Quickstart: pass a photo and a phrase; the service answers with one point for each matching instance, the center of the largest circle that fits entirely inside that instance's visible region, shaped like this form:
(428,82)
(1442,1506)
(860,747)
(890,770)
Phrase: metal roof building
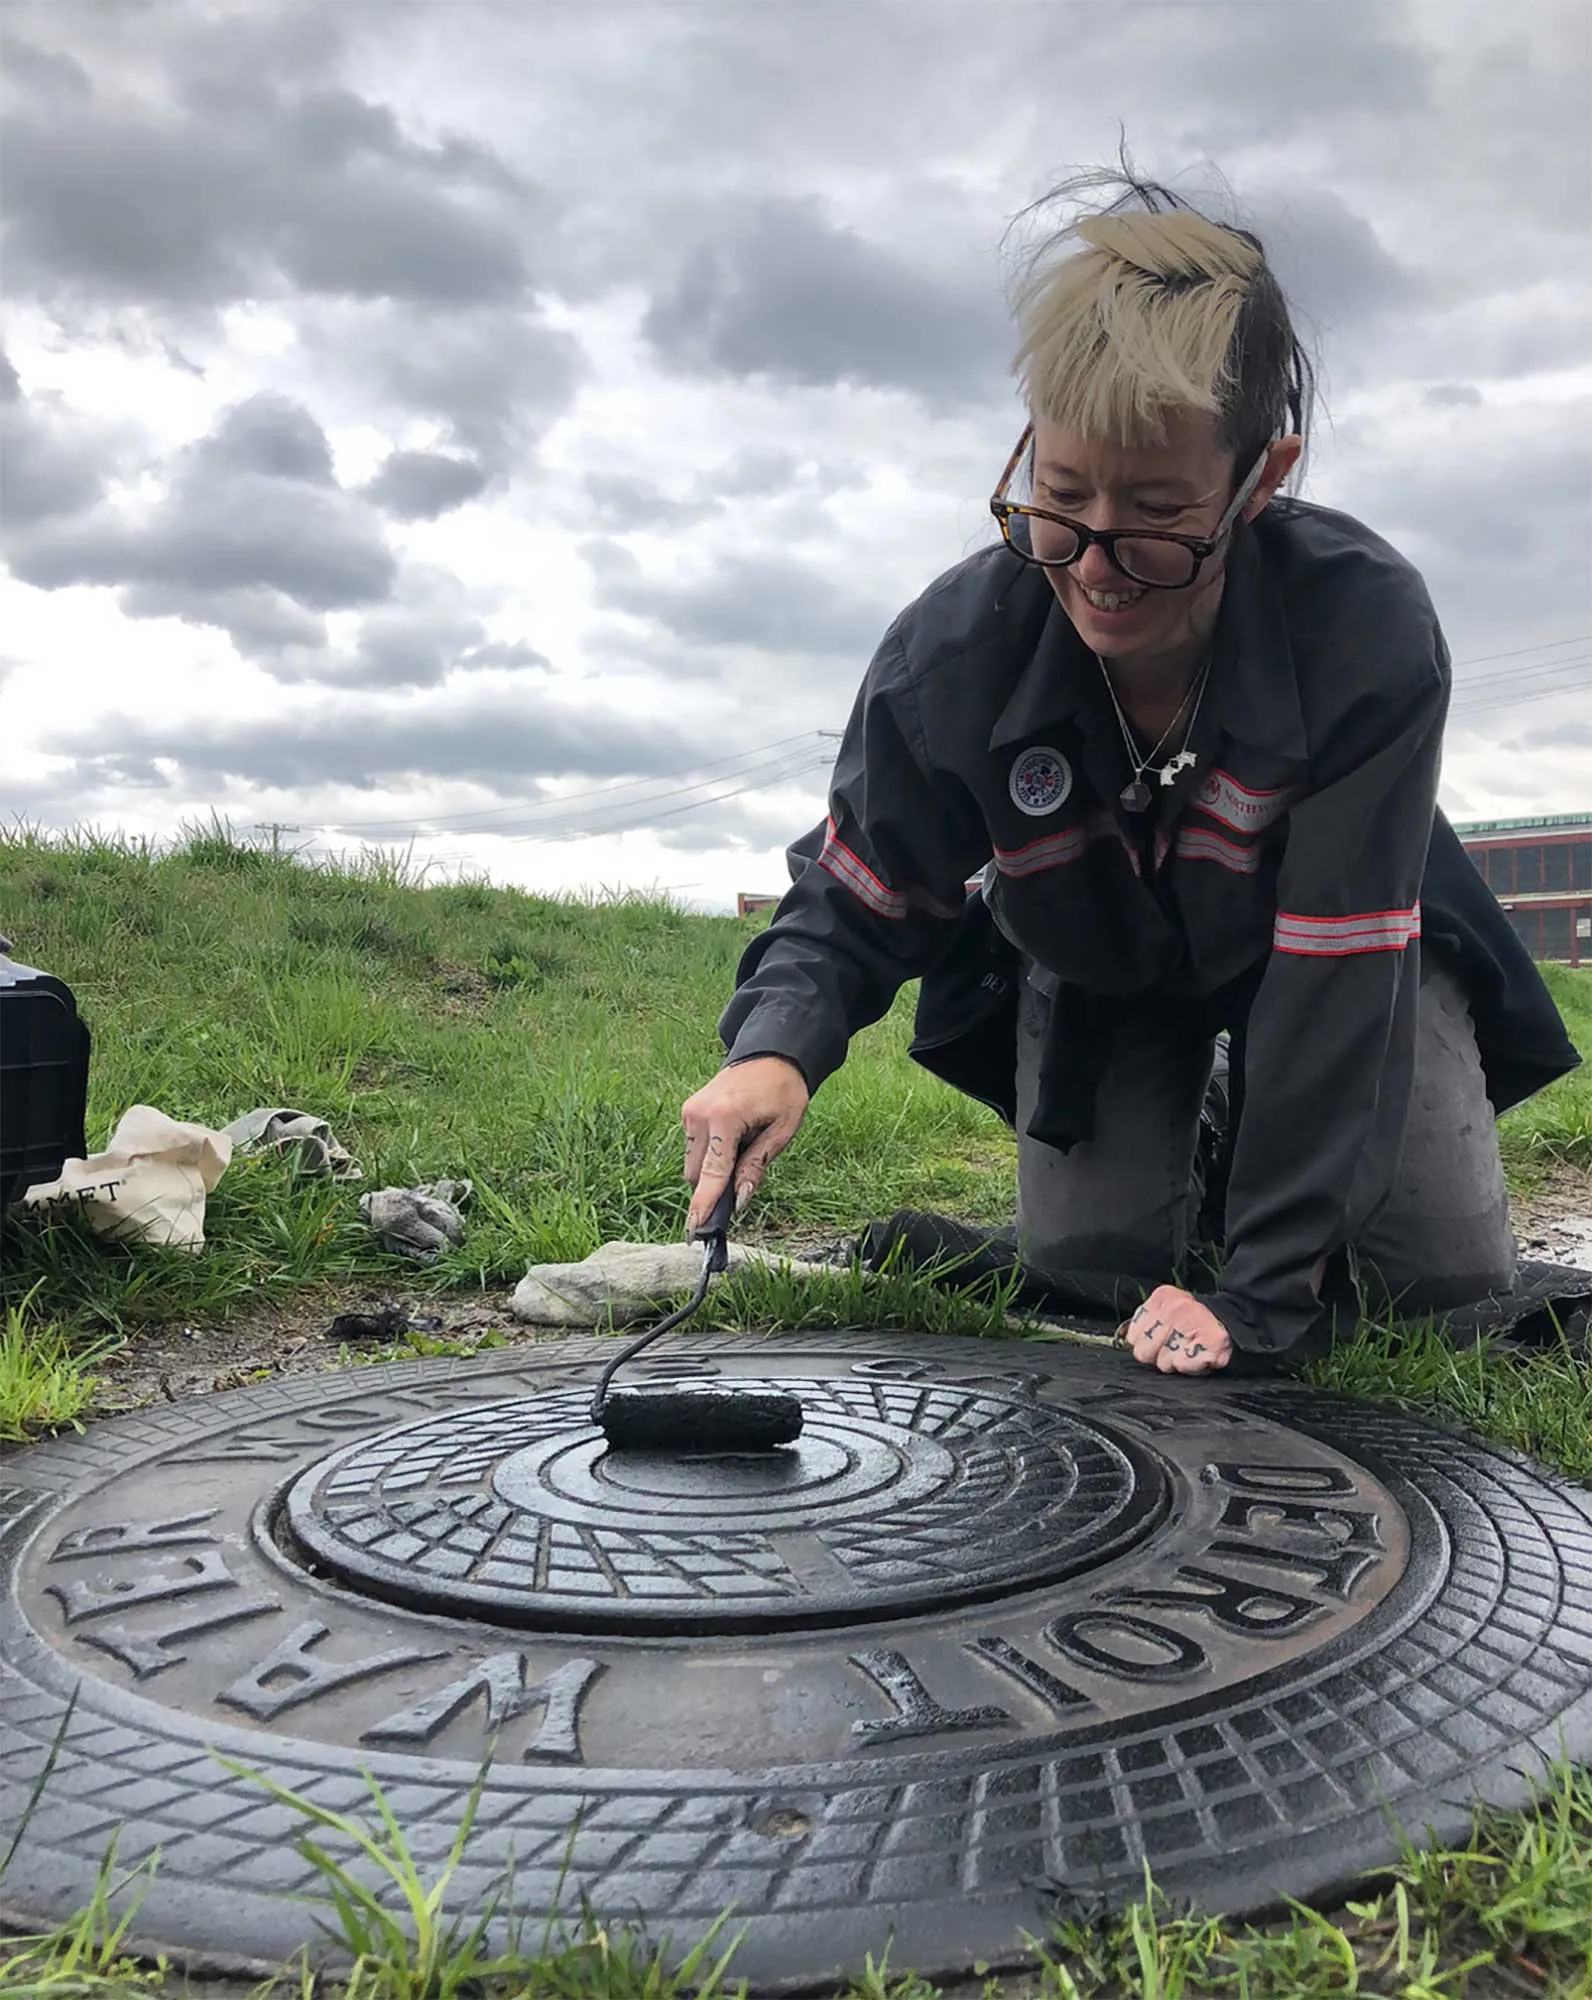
(1541,872)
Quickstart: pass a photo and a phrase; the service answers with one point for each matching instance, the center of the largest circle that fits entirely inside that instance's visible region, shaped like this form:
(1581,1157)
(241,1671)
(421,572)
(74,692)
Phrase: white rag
(621,1281)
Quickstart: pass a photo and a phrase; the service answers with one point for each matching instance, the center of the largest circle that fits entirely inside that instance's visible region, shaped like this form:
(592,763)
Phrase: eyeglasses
(1149,556)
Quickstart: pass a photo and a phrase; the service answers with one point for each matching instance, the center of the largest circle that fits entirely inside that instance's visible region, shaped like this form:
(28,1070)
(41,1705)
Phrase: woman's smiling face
(1181,486)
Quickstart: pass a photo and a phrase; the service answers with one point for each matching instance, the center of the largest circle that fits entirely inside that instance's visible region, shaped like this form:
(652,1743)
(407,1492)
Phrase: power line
(594,818)
(1513,676)
(1488,684)
(556,805)
(651,819)
(1547,646)
(1462,709)
(719,801)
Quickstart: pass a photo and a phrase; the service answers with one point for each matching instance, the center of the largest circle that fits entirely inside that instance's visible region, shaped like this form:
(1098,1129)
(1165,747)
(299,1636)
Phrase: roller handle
(713,1235)
(715,1232)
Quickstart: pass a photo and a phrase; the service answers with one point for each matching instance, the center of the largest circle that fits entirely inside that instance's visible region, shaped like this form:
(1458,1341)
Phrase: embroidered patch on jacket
(1040,781)
(1238,806)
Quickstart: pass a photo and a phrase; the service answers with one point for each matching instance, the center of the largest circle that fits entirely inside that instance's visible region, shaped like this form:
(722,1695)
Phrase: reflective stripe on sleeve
(837,859)
(1342,937)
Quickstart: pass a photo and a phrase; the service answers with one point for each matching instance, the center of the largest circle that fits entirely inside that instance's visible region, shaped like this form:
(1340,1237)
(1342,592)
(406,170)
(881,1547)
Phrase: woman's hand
(1173,1332)
(747,1113)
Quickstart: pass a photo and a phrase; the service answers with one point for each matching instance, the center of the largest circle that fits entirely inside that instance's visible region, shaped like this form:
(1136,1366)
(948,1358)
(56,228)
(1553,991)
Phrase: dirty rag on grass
(623,1281)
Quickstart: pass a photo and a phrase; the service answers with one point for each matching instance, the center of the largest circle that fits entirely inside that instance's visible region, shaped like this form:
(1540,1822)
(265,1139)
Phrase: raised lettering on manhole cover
(1007,1623)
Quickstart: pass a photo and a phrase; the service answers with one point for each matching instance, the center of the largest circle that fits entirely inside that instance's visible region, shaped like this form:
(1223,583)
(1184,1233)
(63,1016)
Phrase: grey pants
(1126,1200)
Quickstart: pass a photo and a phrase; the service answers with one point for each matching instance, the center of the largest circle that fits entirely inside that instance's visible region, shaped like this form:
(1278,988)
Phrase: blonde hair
(1155,308)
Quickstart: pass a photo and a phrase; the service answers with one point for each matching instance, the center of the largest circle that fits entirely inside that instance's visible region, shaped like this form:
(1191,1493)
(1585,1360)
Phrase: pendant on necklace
(1184,760)
(1135,797)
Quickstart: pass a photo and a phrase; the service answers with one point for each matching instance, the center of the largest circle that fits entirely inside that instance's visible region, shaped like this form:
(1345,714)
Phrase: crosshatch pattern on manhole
(896,1494)
(1343,1617)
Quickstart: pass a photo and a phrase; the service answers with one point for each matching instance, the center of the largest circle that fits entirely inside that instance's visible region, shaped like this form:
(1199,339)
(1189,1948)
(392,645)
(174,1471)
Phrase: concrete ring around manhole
(1009,1622)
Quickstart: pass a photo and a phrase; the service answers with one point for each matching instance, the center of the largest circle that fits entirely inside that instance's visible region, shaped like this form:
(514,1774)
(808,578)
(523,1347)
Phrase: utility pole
(276,828)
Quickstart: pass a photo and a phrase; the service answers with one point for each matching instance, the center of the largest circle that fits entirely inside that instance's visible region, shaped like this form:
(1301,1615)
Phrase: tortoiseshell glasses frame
(1197,548)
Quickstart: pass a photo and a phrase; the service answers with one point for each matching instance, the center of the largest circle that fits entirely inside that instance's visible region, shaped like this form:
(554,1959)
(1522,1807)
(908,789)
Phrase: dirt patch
(295,1337)
(461,989)
(1553,1221)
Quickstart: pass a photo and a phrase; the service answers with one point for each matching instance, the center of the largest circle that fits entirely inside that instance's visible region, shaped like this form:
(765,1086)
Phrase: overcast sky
(422,416)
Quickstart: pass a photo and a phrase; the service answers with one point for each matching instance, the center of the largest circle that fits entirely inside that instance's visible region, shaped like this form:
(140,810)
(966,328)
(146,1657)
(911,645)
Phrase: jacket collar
(1253,693)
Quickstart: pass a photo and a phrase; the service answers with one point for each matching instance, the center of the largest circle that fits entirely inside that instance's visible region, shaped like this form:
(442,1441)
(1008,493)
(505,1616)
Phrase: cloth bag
(150,1182)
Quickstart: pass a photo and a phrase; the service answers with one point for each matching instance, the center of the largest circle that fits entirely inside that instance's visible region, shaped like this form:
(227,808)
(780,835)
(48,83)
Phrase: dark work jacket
(1275,887)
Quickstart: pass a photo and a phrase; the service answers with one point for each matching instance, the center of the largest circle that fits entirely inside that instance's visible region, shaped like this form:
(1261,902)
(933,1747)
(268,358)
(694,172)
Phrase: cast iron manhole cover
(1010,1621)
(897,1497)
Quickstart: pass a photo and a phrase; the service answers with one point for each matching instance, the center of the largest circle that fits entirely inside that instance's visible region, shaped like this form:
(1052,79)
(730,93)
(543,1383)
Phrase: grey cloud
(623,502)
(1264,73)
(1329,259)
(789,296)
(252,535)
(497,378)
(233,188)
(610,562)
(241,168)
(425,485)
(401,648)
(506,655)
(53,464)
(364,742)
(776,604)
(44,73)
(761,472)
(263,623)
(1560,736)
(425,634)
(755,472)
(1498,529)
(315,551)
(1453,395)
(269,435)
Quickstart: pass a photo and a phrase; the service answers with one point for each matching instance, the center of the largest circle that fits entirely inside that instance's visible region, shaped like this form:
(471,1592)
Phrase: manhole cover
(897,1497)
(1010,1622)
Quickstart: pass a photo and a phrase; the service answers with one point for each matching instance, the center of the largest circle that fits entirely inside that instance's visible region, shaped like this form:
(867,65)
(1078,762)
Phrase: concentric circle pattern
(895,1495)
(1010,1625)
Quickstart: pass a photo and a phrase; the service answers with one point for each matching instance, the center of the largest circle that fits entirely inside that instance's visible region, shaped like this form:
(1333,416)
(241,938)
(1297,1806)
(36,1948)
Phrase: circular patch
(893,1498)
(1010,1623)
(1041,780)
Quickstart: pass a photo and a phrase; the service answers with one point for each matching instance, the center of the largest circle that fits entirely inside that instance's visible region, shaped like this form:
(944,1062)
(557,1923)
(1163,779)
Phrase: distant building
(745,905)
(1541,872)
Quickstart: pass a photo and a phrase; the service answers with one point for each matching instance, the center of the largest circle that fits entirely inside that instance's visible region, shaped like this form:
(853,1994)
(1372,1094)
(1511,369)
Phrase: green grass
(542,1048)
(218,979)
(1555,1127)
(45,1383)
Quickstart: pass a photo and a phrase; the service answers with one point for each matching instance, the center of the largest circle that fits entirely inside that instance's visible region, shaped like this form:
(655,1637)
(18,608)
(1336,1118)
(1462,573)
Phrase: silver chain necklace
(1135,795)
